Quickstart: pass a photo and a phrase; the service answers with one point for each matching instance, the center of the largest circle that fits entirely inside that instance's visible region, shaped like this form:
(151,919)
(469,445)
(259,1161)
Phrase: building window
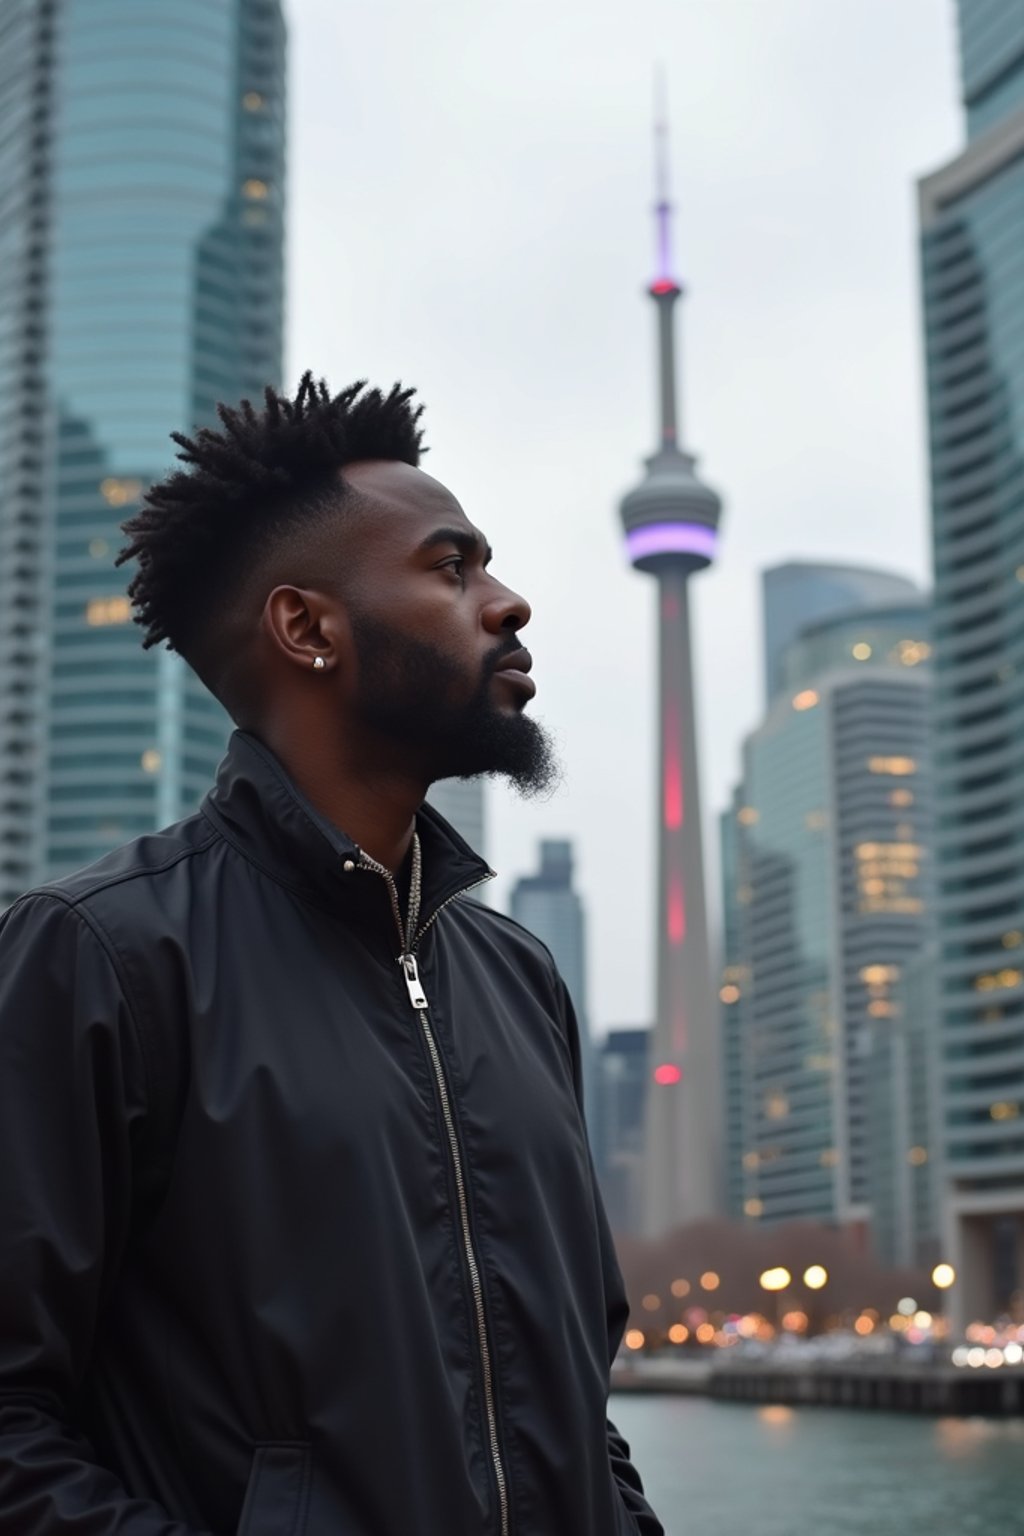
(108,610)
(118,491)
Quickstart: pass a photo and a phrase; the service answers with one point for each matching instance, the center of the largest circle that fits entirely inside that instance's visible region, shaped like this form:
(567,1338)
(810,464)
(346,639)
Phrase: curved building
(826,886)
(671,526)
(143,183)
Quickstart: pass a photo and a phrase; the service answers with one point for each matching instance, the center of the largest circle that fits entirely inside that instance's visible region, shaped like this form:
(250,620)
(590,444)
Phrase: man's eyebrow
(466,543)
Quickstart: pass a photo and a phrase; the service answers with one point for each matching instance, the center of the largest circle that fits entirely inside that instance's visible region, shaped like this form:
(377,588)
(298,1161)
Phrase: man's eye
(458,565)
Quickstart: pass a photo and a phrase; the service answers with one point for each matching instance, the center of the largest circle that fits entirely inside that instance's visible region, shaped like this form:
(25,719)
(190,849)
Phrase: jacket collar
(258,809)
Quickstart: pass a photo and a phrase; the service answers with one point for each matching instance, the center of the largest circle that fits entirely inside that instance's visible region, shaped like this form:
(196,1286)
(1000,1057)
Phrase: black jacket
(280,1251)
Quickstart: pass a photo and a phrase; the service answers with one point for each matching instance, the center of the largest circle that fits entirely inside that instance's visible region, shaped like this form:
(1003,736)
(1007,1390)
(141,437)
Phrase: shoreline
(887,1386)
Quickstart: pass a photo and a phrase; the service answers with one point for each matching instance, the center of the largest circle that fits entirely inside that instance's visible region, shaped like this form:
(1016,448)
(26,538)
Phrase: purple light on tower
(671,539)
(671,526)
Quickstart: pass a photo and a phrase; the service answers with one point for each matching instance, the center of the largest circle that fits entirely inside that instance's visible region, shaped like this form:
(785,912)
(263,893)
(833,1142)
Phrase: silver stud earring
(318,664)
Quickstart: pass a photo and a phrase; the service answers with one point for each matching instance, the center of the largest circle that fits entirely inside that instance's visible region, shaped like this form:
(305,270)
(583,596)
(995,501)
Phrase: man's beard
(406,692)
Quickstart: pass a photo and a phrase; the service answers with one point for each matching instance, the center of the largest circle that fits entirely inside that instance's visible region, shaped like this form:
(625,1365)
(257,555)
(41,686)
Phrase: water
(728,1469)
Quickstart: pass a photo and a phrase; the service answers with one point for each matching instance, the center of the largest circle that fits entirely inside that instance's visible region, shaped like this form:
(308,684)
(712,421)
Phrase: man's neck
(375,804)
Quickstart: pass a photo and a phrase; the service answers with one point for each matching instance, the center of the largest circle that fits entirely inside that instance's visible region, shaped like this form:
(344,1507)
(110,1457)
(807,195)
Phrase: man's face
(440,665)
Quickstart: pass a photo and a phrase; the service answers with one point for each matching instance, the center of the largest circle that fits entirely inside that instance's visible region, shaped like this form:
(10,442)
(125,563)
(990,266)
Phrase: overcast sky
(470,183)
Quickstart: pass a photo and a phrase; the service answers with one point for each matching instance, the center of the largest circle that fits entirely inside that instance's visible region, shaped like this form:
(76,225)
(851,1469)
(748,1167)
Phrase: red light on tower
(667,1073)
(676,911)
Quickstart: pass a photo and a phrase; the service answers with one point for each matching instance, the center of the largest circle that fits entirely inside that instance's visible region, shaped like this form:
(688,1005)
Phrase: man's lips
(514,668)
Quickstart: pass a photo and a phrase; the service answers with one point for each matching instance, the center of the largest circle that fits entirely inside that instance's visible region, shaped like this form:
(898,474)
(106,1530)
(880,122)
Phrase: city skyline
(508,289)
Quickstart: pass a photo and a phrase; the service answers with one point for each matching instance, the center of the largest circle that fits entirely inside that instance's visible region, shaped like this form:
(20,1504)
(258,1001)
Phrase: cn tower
(671,525)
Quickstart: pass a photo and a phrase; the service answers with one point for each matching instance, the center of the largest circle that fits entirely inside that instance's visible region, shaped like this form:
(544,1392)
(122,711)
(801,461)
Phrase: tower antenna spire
(663,277)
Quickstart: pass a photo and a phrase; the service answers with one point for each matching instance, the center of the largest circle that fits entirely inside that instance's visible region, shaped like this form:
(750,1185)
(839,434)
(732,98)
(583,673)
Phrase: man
(299,1231)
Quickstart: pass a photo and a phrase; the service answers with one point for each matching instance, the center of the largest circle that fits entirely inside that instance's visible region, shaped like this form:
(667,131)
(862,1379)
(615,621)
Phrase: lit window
(902,797)
(917,1157)
(910,652)
(753,1207)
(751,1159)
(829,1158)
(254,189)
(776,1106)
(862,650)
(1004,1110)
(729,994)
(806,700)
(151,760)
(252,101)
(879,1009)
(117,491)
(993,981)
(107,610)
(1014,939)
(747,816)
(98,548)
(898,766)
(876,975)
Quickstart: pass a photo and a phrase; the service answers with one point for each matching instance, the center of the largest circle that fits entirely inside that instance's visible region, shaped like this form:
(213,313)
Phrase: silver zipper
(408,937)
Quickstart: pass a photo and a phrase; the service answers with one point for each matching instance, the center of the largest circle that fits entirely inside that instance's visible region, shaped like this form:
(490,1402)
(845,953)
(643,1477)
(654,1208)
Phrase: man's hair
(203,530)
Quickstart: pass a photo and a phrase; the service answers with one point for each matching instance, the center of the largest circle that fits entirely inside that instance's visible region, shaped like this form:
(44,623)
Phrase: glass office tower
(141,235)
(825,883)
(972,251)
(548,904)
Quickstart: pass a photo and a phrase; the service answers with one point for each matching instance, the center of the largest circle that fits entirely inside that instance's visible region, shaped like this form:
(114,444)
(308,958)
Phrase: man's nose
(506,610)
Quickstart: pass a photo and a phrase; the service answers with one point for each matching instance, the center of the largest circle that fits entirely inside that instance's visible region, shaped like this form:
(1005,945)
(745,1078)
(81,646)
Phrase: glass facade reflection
(158,279)
(826,894)
(991,60)
(801,592)
(972,250)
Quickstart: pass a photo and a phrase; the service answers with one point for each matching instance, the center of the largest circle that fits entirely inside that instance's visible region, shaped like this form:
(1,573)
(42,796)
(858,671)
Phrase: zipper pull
(411,976)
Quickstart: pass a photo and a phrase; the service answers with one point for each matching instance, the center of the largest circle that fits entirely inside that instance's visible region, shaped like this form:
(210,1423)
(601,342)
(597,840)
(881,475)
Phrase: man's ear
(307,629)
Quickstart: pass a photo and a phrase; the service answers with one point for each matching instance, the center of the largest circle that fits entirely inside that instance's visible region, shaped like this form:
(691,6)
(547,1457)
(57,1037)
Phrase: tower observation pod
(671,528)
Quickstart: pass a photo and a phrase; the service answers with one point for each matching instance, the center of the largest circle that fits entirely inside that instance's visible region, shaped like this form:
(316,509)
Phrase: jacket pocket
(277,1494)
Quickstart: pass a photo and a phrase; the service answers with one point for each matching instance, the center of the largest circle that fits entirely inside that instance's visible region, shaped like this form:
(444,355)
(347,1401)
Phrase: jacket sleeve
(626,1477)
(72,1095)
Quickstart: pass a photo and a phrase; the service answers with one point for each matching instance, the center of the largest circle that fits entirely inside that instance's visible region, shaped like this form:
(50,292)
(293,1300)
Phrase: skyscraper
(141,224)
(671,522)
(550,907)
(616,1118)
(972,253)
(826,890)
